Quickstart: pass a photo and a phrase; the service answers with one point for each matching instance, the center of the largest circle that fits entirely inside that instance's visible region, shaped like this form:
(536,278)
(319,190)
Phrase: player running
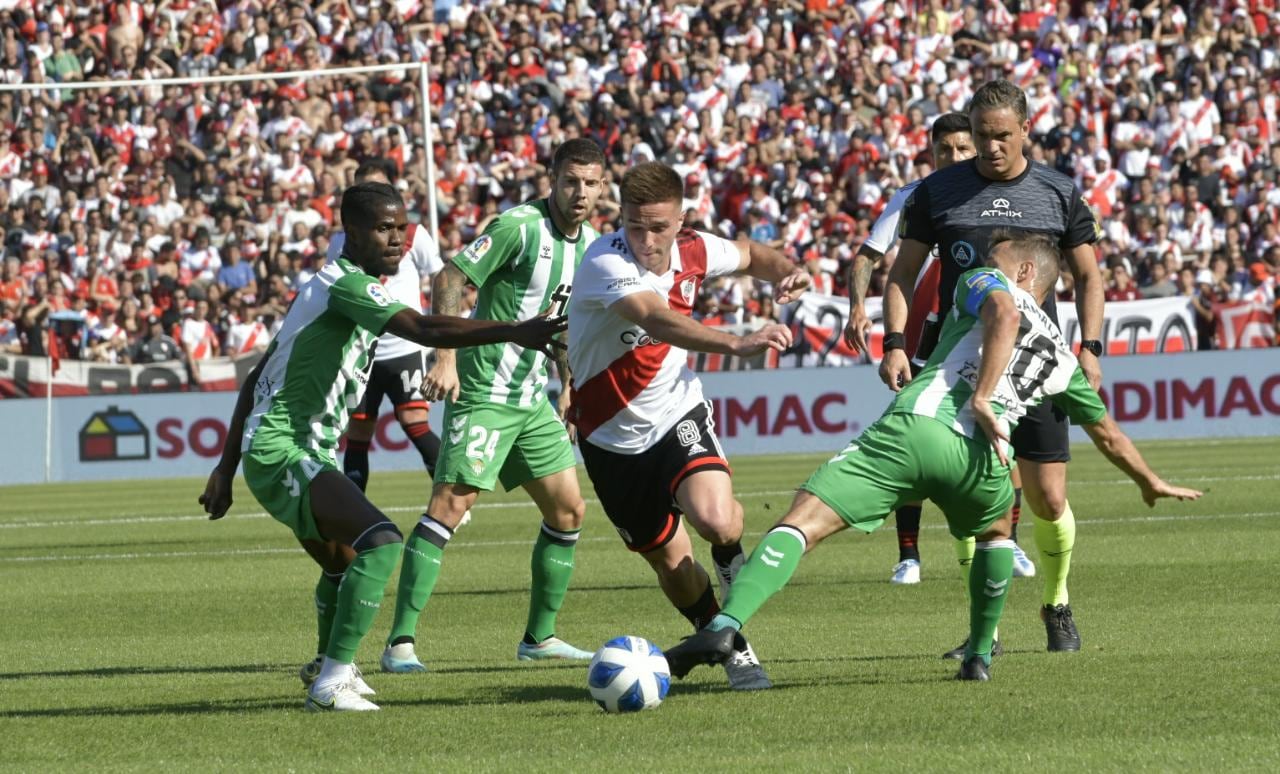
(293,408)
(952,141)
(398,364)
(499,425)
(648,439)
(945,436)
(957,209)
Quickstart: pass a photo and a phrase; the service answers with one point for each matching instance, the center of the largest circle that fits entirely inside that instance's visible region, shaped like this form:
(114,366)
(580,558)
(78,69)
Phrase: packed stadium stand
(148,223)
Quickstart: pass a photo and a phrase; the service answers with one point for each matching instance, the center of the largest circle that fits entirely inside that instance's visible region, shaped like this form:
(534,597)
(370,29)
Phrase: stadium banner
(1244,324)
(1156,325)
(28,377)
(1189,395)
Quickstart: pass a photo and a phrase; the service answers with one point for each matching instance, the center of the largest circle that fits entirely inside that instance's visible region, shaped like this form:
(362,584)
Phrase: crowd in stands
(153,221)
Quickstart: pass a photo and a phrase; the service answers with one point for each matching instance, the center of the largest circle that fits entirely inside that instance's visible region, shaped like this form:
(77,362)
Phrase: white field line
(1138,519)
(108,521)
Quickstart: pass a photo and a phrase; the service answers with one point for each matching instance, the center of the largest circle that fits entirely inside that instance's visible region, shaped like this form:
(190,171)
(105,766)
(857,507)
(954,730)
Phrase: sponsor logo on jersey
(545,253)
(620,245)
(963,254)
(1000,208)
(378,293)
(625,282)
(638,338)
(477,249)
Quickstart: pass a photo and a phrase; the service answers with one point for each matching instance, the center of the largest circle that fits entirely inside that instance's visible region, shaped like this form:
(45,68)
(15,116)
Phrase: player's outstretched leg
(989,579)
(1023,567)
(326,599)
(419,571)
(355,463)
(706,497)
(907,571)
(551,566)
(964,548)
(1045,485)
(1056,539)
(343,514)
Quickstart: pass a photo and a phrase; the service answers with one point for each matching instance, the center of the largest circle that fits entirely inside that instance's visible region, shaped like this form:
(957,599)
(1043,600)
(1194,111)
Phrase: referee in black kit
(957,209)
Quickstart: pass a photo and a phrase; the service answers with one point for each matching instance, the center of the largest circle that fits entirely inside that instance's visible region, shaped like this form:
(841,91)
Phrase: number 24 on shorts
(483,443)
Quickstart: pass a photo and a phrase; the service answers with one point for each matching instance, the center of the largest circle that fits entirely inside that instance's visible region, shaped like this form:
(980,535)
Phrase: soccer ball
(628,674)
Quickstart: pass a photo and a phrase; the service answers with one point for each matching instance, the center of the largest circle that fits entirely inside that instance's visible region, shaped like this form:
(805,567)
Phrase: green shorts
(490,443)
(903,458)
(281,480)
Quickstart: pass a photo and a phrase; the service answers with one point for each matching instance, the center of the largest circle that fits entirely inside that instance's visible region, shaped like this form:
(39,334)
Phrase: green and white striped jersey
(1042,365)
(318,364)
(522,264)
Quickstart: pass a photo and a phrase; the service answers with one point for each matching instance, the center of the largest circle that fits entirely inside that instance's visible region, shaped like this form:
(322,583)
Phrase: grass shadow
(133,671)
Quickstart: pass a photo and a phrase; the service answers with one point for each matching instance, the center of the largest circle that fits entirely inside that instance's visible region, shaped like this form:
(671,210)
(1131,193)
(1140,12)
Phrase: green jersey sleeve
(975,286)
(363,300)
(1081,402)
(501,243)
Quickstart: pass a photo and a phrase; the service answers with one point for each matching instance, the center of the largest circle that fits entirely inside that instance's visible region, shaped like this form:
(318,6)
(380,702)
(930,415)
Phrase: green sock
(419,571)
(326,608)
(988,589)
(964,555)
(765,573)
(552,567)
(1055,539)
(359,598)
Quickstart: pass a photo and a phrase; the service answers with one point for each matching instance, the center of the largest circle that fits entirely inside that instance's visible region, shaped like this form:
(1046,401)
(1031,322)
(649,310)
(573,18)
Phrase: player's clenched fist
(772,336)
(895,369)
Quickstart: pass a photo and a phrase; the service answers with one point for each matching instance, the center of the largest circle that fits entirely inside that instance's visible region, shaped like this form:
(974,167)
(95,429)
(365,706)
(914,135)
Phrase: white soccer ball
(628,674)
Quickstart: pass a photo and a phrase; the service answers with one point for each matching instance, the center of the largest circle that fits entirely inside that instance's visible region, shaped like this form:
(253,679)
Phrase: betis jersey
(1042,365)
(318,364)
(522,264)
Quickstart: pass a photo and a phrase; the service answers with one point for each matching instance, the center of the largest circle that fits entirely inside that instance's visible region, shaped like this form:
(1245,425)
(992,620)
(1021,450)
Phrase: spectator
(156,346)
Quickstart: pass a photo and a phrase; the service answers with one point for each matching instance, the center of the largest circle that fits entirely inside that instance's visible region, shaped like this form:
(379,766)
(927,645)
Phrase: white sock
(332,673)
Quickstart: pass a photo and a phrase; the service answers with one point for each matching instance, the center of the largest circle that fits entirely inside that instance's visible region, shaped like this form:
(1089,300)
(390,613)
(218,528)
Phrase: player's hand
(1160,488)
(540,333)
(895,369)
(772,336)
(441,380)
(562,408)
(217,495)
(855,332)
(1092,368)
(996,430)
(791,287)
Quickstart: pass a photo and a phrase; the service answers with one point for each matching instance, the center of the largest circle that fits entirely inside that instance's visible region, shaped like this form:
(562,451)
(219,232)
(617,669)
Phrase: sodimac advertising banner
(816,410)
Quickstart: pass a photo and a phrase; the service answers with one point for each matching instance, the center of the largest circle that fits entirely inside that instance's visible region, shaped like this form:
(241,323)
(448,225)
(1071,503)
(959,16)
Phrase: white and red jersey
(203,264)
(199,337)
(420,262)
(246,337)
(1111,183)
(1203,116)
(296,175)
(1043,111)
(883,236)
(629,389)
(1236,156)
(1134,161)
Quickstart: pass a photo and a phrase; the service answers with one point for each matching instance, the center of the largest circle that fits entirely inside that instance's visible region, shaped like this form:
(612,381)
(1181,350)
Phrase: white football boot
(906,573)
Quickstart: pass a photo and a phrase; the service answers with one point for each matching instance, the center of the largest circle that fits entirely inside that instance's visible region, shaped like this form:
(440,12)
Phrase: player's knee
(384,533)
(719,523)
(360,430)
(566,516)
(411,416)
(1049,504)
(448,505)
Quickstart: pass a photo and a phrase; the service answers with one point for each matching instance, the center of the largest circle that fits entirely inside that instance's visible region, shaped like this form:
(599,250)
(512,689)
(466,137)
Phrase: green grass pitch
(138,636)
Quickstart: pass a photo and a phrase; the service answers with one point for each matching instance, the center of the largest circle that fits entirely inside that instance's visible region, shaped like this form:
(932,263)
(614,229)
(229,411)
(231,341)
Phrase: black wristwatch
(1092,345)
